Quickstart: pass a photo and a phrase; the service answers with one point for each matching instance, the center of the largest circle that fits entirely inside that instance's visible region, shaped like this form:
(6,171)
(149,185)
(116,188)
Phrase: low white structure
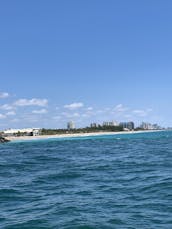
(26,131)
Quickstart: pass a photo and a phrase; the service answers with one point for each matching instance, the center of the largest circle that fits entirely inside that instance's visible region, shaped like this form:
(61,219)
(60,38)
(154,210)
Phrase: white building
(149,126)
(146,126)
(112,123)
(70,125)
(26,131)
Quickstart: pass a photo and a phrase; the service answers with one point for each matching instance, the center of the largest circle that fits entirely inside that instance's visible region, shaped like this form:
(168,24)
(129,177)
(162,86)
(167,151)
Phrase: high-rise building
(70,125)
(149,126)
(112,123)
(146,126)
(93,125)
(127,125)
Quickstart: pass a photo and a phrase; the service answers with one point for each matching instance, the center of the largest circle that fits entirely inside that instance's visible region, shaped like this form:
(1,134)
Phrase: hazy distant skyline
(86,61)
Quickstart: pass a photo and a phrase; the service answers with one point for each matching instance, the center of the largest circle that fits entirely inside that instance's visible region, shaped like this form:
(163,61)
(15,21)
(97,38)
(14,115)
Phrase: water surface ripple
(122,181)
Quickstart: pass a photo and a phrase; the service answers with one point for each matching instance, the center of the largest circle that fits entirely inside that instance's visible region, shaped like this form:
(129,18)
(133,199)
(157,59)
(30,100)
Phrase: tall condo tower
(70,125)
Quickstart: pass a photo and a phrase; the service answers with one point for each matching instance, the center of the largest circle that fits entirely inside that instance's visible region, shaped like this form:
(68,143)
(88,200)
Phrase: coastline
(42,137)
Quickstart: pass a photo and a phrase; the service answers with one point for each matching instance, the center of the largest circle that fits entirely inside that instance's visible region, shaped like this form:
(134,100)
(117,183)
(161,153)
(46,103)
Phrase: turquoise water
(121,181)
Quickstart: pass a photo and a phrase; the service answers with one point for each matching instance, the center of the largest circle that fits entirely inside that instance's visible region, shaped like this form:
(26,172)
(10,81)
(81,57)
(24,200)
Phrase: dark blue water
(122,181)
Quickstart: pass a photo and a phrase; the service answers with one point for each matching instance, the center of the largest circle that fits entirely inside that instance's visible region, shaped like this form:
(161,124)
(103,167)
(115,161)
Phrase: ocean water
(107,182)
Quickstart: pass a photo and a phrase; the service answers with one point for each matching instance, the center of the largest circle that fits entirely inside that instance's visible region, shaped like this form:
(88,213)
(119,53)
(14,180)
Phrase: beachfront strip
(105,127)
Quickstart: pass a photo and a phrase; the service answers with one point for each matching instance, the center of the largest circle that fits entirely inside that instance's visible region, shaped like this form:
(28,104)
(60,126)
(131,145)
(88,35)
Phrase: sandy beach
(27,138)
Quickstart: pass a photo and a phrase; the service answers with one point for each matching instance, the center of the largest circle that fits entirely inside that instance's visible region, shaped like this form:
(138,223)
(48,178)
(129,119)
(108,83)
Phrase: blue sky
(86,61)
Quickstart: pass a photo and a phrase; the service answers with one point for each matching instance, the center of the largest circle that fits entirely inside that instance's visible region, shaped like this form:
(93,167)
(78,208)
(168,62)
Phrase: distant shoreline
(27,138)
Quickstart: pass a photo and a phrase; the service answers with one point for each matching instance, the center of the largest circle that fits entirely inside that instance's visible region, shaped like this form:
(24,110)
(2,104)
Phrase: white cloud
(2,116)
(42,111)
(74,106)
(70,115)
(89,108)
(31,119)
(76,115)
(120,108)
(31,102)
(6,107)
(100,111)
(86,115)
(3,95)
(10,113)
(142,113)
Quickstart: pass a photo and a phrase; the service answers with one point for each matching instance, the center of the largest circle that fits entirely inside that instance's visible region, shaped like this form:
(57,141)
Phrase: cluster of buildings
(149,126)
(127,126)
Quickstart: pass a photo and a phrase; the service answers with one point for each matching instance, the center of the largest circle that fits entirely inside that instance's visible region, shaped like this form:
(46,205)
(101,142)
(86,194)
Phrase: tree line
(82,130)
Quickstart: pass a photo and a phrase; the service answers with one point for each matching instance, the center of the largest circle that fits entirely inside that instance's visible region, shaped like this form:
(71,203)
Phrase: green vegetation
(19,134)
(82,130)
(139,129)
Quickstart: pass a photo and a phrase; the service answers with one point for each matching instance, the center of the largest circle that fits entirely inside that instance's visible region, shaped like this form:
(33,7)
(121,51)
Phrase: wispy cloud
(70,115)
(31,110)
(6,107)
(142,113)
(86,115)
(74,106)
(42,111)
(31,102)
(10,113)
(89,108)
(120,108)
(2,116)
(4,95)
